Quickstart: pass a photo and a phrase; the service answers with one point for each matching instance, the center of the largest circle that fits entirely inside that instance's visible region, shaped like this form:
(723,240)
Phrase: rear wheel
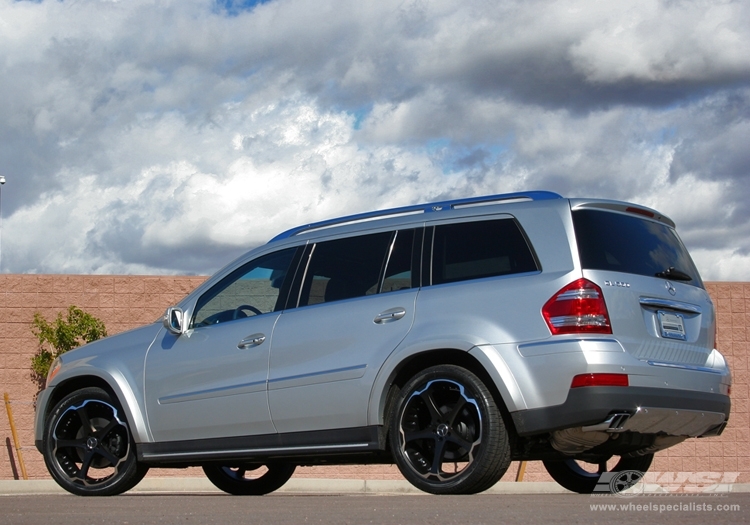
(447,434)
(585,477)
(88,447)
(249,479)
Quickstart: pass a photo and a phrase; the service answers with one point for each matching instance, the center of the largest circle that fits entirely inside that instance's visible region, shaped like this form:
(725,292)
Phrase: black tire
(446,415)
(569,474)
(249,479)
(88,447)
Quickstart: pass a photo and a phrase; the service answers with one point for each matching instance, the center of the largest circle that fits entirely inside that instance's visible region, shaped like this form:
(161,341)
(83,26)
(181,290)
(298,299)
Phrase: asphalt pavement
(332,509)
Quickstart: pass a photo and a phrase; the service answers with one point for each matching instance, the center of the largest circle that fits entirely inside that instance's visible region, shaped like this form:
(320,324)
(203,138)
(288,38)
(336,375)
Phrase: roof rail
(416,208)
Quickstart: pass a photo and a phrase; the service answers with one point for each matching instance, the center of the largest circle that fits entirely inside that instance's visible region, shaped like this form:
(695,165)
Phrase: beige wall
(124,302)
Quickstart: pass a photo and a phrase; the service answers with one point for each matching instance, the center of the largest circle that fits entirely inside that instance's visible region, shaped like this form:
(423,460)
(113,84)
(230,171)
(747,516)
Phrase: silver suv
(449,338)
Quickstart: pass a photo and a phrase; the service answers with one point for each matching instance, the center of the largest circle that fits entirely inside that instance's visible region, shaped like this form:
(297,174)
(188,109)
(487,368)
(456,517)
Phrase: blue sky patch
(235,7)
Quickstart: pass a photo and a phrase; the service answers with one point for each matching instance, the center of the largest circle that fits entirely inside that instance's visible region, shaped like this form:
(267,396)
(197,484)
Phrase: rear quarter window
(628,244)
(474,250)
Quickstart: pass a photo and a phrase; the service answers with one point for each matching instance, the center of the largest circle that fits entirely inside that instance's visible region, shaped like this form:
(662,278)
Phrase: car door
(210,382)
(356,304)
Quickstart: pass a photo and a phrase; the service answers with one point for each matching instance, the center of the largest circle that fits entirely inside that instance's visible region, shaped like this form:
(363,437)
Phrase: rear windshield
(623,243)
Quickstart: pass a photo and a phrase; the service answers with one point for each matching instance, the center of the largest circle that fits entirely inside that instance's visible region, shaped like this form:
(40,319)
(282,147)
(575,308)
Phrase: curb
(293,486)
(325,486)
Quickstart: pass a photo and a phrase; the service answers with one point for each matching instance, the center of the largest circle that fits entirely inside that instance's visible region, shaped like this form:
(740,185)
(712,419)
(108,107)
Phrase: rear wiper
(672,273)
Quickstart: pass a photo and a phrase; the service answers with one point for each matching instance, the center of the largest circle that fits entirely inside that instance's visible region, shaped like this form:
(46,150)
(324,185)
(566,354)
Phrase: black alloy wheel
(447,434)
(88,447)
(572,475)
(249,479)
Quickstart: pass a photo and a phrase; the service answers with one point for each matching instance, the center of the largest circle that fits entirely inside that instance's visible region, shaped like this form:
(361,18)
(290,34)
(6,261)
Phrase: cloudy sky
(158,136)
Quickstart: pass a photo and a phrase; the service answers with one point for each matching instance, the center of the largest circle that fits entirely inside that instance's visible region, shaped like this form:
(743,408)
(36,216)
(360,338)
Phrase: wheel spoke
(419,434)
(70,443)
(437,460)
(431,406)
(461,442)
(101,434)
(106,454)
(451,417)
(86,464)
(85,422)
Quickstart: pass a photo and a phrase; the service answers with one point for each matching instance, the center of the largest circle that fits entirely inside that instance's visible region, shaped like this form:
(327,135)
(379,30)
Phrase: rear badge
(619,284)
(672,325)
(670,288)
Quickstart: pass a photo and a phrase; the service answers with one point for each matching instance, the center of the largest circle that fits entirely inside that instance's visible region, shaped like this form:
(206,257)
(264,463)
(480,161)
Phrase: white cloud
(291,164)
(722,265)
(655,41)
(166,136)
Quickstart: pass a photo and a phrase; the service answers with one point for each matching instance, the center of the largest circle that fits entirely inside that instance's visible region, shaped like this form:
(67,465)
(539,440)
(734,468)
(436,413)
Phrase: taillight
(716,335)
(578,308)
(599,380)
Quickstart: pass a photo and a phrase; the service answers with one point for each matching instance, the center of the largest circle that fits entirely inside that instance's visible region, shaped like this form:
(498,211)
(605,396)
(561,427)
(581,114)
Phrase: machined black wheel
(88,447)
(249,479)
(447,434)
(587,478)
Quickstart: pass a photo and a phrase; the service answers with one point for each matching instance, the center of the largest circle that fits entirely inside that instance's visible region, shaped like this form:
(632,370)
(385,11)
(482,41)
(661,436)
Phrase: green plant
(61,335)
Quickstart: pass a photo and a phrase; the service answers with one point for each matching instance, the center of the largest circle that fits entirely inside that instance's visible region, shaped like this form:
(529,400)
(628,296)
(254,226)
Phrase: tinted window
(345,268)
(623,243)
(253,289)
(473,250)
(401,264)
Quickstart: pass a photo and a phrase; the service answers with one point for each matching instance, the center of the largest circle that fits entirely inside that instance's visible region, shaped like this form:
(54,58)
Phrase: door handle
(393,314)
(251,340)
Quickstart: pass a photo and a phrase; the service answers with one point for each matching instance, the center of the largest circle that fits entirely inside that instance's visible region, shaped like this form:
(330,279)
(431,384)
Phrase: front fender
(116,361)
(118,383)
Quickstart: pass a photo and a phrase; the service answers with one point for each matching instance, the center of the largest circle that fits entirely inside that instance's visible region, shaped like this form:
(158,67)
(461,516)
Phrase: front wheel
(573,475)
(249,479)
(447,434)
(88,447)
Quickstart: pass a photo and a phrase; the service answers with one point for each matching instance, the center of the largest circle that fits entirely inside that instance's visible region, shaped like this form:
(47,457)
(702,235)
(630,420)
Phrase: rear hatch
(658,306)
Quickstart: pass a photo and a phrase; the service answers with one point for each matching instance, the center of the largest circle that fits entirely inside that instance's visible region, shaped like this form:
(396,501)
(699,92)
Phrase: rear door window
(628,244)
(402,261)
(345,268)
(474,250)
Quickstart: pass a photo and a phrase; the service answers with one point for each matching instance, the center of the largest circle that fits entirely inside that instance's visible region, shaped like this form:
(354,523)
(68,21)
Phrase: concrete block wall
(121,302)
(124,302)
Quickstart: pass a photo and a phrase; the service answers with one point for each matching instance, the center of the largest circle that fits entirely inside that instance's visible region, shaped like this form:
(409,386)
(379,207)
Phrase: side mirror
(173,320)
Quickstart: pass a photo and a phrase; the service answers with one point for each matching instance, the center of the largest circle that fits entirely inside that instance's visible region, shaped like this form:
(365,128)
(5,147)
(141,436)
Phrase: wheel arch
(412,364)
(123,394)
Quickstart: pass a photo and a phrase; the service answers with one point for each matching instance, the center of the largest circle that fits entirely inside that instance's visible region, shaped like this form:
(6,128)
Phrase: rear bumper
(669,411)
